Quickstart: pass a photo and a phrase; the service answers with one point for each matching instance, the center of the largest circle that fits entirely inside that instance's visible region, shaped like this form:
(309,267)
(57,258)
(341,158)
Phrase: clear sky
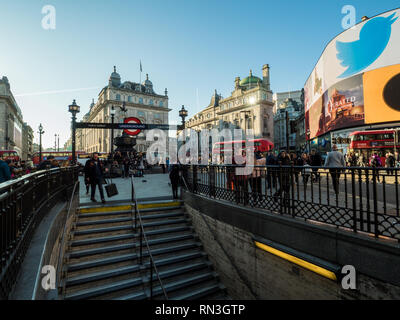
(190,47)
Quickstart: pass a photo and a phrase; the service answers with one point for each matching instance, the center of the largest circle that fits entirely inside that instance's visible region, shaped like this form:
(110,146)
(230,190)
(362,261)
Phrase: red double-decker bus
(262,145)
(370,142)
(58,155)
(9,155)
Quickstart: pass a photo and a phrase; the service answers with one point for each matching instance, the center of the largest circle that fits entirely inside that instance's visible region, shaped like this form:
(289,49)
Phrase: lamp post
(74,109)
(58,143)
(40,142)
(55,142)
(183,114)
(112,112)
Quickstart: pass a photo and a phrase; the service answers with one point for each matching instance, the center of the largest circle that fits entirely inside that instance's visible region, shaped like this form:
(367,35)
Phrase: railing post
(353,191)
(374,173)
(141,244)
(211,180)
(194,169)
(151,279)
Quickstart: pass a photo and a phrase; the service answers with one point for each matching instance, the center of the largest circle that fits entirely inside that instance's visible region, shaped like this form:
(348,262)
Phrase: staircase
(103,255)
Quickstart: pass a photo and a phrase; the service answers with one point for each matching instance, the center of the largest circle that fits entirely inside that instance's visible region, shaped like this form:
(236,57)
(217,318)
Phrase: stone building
(288,108)
(11,121)
(250,106)
(141,102)
(27,142)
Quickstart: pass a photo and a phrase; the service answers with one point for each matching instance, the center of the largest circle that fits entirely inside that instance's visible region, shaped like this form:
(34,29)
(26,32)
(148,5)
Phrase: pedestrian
(86,172)
(336,162)
(271,160)
(255,179)
(174,177)
(96,177)
(126,165)
(390,163)
(306,172)
(375,162)
(284,177)
(5,173)
(315,161)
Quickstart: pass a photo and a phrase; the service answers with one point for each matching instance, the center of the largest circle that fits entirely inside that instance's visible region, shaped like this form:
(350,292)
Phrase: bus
(58,155)
(84,156)
(370,142)
(262,145)
(9,155)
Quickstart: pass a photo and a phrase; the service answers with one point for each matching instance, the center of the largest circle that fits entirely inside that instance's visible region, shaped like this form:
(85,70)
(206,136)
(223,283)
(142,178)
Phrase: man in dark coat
(283,175)
(5,173)
(315,161)
(95,173)
(174,177)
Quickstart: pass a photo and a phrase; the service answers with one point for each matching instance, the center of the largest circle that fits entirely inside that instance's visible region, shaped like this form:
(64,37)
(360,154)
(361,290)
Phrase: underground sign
(132,120)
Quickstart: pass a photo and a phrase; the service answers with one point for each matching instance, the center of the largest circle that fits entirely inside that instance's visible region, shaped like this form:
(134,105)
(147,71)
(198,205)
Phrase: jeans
(100,185)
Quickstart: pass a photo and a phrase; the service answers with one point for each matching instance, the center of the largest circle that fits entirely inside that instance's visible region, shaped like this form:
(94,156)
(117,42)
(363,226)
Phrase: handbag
(111,189)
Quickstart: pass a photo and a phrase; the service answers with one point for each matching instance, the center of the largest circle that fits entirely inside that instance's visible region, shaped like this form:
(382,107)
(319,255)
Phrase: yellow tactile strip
(129,207)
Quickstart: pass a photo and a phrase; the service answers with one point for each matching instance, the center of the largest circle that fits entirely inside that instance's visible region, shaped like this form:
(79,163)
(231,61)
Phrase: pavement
(148,186)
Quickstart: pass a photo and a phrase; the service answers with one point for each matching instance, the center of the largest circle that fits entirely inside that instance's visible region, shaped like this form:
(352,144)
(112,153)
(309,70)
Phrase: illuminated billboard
(343,90)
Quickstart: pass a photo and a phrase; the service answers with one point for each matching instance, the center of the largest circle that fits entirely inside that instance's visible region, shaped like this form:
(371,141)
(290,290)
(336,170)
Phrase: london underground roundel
(132,120)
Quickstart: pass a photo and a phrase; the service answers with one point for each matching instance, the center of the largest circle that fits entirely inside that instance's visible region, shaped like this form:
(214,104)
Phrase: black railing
(23,203)
(142,236)
(364,200)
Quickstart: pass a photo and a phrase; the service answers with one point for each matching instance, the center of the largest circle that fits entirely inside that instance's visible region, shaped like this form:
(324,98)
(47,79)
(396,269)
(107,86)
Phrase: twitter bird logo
(374,37)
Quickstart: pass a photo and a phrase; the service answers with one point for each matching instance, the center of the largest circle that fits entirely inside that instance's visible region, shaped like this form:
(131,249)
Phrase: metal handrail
(143,236)
(61,249)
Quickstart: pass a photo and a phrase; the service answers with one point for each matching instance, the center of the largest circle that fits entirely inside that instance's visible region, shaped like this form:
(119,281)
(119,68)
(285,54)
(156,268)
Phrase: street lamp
(40,142)
(183,114)
(112,112)
(74,109)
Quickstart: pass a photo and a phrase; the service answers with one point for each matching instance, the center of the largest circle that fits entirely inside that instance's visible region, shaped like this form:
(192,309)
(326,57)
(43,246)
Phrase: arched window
(151,102)
(161,104)
(118,97)
(141,100)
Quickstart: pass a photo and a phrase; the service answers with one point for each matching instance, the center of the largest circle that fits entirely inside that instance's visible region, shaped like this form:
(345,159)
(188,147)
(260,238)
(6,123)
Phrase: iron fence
(364,200)
(23,203)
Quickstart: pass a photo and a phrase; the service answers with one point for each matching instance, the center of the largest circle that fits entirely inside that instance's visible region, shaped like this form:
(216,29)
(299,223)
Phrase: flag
(141,66)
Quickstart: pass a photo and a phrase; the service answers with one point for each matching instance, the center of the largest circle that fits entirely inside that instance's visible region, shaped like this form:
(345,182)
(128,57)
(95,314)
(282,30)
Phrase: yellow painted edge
(129,207)
(159,205)
(307,265)
(105,209)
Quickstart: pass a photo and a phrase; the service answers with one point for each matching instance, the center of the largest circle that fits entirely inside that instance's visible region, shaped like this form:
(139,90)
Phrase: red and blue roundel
(132,120)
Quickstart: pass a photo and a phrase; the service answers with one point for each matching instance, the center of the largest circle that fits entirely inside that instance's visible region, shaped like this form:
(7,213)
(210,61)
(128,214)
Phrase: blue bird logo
(374,37)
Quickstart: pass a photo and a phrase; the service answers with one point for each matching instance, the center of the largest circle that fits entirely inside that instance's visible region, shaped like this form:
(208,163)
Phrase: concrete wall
(251,273)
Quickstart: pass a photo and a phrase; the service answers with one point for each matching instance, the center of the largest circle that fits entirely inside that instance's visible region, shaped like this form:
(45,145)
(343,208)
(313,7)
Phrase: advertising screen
(347,78)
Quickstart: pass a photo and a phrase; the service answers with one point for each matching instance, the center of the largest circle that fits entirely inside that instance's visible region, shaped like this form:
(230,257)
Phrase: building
(250,106)
(11,121)
(140,101)
(27,142)
(288,109)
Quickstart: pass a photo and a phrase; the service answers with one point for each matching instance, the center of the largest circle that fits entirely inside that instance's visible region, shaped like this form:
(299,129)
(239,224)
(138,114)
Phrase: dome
(250,80)
(115,78)
(147,82)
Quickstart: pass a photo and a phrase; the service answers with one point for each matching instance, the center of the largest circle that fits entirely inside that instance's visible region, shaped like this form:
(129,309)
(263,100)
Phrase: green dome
(250,80)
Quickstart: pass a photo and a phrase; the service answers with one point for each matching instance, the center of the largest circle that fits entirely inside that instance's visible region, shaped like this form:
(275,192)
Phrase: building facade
(27,142)
(140,101)
(250,106)
(288,109)
(11,121)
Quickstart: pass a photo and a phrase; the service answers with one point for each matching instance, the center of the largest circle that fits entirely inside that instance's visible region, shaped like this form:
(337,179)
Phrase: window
(141,114)
(129,99)
(151,102)
(161,104)
(118,97)
(158,116)
(141,100)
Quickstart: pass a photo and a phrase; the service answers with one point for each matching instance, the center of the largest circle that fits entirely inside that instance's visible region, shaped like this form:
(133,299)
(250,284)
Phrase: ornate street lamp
(74,109)
(40,142)
(112,112)
(183,114)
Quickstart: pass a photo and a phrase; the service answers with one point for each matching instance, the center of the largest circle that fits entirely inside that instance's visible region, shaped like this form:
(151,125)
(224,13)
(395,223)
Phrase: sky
(190,47)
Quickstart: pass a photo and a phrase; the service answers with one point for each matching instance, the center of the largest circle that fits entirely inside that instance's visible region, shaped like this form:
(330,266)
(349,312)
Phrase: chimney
(266,80)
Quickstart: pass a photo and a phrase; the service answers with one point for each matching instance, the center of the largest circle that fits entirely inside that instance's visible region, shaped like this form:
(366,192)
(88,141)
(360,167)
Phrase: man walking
(315,161)
(96,177)
(174,177)
(336,160)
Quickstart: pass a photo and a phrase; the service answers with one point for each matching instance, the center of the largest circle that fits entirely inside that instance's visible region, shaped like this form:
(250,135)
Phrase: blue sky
(190,47)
